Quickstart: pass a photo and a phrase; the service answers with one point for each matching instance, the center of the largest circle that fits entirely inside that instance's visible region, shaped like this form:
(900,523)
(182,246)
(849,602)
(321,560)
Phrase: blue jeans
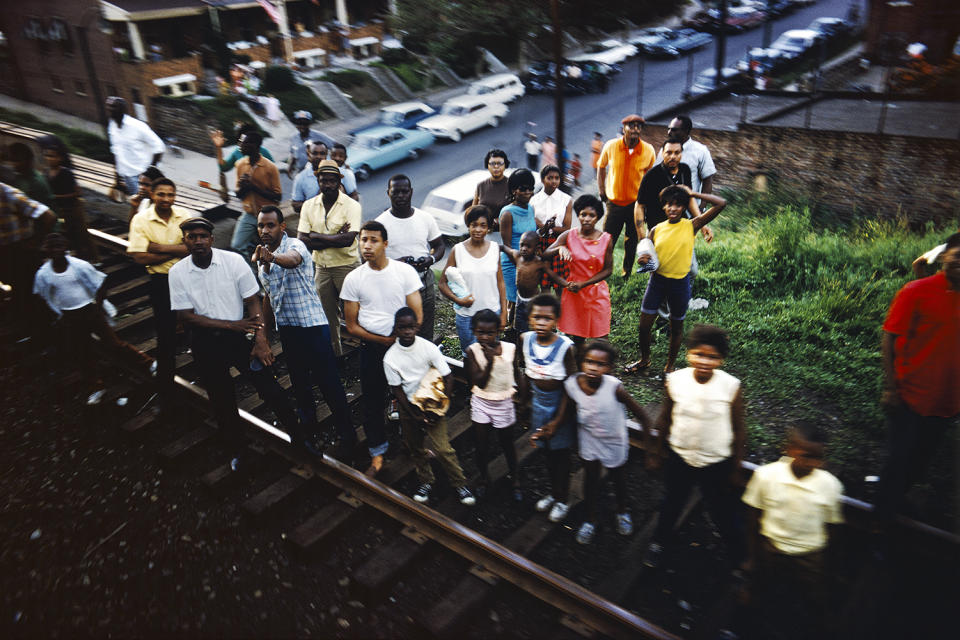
(373,384)
(131,184)
(245,235)
(310,361)
(465,333)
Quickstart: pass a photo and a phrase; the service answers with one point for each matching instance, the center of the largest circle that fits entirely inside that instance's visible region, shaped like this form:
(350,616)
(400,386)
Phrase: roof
(405,106)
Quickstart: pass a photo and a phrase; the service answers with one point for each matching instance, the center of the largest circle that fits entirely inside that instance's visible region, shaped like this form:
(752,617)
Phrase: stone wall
(140,74)
(862,173)
(182,119)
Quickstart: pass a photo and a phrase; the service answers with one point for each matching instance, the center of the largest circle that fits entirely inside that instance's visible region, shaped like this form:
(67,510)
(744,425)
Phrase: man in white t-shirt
(415,239)
(210,291)
(372,293)
(133,144)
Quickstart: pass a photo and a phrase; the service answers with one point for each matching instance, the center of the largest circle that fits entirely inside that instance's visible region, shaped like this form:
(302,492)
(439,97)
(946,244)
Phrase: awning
(361,42)
(309,53)
(169,80)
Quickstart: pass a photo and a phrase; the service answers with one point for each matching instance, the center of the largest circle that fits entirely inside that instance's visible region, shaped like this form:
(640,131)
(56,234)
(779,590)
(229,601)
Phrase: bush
(302,98)
(278,78)
(78,141)
(348,78)
(396,57)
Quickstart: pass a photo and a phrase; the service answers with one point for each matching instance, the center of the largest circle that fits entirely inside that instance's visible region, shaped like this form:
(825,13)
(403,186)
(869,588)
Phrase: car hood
(440,121)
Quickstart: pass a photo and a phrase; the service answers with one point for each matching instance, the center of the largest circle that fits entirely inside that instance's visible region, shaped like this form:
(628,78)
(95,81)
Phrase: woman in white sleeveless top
(478,261)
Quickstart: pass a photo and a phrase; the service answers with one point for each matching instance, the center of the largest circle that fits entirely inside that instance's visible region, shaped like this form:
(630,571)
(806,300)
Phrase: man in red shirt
(921,362)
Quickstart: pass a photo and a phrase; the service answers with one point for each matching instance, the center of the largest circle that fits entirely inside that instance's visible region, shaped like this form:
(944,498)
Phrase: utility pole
(721,45)
(768,27)
(559,84)
(285,31)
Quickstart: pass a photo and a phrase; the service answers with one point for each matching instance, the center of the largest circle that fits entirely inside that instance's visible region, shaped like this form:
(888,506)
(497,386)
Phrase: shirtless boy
(530,271)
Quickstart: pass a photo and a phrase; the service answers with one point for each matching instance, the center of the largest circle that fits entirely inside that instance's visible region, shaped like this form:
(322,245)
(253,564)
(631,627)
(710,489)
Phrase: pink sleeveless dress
(586,314)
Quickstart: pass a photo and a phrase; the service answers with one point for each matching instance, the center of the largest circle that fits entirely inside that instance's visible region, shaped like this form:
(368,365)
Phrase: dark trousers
(620,218)
(215,351)
(311,361)
(533,160)
(373,384)
(428,302)
(592,483)
(19,262)
(166,327)
(718,498)
(78,348)
(913,440)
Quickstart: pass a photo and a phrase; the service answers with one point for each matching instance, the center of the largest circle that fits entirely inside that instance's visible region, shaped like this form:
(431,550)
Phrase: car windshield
(370,142)
(390,117)
(478,90)
(439,202)
(453,110)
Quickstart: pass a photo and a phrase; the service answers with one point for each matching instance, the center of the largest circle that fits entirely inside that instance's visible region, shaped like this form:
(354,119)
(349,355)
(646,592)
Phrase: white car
(796,41)
(448,202)
(705,81)
(502,87)
(464,114)
(608,52)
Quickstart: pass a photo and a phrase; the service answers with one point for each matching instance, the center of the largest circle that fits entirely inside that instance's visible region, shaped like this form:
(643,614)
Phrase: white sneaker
(96,396)
(559,512)
(585,535)
(545,503)
(624,524)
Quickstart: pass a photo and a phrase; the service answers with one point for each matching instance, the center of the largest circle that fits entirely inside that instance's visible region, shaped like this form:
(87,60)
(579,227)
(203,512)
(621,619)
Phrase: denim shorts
(543,408)
(675,291)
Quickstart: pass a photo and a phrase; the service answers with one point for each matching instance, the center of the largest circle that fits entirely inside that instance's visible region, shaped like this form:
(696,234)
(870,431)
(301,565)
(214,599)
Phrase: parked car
(648,36)
(764,61)
(502,87)
(579,77)
(796,41)
(448,202)
(705,81)
(831,27)
(738,19)
(743,18)
(405,115)
(464,114)
(672,44)
(608,51)
(380,146)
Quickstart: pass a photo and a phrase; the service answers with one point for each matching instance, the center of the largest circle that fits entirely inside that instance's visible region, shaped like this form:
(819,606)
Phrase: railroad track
(500,561)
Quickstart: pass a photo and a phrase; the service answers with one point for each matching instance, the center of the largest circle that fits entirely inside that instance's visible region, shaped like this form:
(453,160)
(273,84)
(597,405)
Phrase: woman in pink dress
(589,255)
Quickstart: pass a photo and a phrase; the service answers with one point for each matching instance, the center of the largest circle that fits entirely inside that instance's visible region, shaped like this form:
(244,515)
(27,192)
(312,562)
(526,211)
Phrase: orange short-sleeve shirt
(625,169)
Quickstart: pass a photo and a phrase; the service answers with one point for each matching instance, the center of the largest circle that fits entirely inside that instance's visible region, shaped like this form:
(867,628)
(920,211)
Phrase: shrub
(278,78)
(348,78)
(302,98)
(396,57)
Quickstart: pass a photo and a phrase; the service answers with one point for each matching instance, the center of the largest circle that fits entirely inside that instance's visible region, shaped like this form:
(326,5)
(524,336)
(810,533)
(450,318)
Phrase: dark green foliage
(277,78)
(223,111)
(78,141)
(348,78)
(301,97)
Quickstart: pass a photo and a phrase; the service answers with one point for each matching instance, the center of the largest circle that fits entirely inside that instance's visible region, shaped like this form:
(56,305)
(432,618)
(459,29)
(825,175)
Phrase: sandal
(636,367)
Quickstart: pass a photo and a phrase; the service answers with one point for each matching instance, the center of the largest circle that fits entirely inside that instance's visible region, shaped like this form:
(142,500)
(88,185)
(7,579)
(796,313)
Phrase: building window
(166,90)
(56,85)
(112,90)
(78,88)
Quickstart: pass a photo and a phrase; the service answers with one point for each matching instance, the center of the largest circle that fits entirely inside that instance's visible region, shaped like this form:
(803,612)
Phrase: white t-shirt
(552,207)
(380,293)
(75,288)
(407,366)
(215,292)
(133,145)
(702,429)
(409,236)
(795,510)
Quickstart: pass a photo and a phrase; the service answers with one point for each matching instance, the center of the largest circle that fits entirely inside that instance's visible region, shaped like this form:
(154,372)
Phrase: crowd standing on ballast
(546,286)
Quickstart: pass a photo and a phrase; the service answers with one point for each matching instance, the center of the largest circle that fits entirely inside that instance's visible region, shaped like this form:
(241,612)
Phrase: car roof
(499,77)
(380,130)
(460,187)
(404,106)
(800,33)
(465,100)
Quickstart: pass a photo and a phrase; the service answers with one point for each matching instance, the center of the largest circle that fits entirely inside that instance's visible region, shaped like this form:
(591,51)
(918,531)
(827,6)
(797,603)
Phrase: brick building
(70,54)
(894,24)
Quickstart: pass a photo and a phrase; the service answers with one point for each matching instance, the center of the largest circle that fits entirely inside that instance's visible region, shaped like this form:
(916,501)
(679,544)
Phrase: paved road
(664,82)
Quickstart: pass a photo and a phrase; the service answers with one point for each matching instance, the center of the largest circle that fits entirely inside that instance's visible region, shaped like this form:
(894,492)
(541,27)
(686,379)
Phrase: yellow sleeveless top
(674,245)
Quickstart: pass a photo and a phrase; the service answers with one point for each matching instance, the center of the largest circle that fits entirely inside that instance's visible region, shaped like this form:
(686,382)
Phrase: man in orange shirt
(258,184)
(623,163)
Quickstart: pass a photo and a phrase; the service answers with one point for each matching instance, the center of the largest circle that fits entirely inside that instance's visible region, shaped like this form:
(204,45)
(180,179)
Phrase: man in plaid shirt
(292,308)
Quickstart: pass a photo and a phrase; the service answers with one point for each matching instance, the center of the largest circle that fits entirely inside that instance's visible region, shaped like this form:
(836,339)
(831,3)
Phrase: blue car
(405,115)
(672,44)
(378,147)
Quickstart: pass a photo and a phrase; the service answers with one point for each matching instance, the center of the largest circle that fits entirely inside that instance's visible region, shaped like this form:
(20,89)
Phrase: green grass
(78,141)
(413,74)
(359,85)
(302,98)
(224,111)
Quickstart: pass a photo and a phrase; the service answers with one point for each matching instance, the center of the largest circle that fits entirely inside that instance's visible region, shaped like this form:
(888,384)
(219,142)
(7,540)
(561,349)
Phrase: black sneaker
(466,497)
(423,493)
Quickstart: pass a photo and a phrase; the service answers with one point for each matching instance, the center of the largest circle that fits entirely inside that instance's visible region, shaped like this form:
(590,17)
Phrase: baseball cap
(302,115)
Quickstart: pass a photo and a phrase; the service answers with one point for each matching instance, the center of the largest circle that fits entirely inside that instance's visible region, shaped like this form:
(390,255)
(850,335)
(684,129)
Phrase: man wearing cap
(156,242)
(258,185)
(329,224)
(298,142)
(217,298)
(133,144)
(305,185)
(622,164)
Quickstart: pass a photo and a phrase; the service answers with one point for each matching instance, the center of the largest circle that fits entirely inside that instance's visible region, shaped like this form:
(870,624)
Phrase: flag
(270,9)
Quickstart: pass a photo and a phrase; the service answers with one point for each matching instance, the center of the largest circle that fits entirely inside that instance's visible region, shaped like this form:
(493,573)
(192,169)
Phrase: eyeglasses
(495,163)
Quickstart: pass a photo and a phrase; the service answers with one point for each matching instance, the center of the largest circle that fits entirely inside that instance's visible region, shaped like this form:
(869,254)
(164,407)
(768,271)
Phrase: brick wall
(141,74)
(866,173)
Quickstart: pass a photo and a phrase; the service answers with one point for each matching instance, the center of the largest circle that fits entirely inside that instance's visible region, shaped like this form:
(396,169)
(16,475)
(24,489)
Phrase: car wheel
(495,121)
(362,172)
(413,154)
(457,136)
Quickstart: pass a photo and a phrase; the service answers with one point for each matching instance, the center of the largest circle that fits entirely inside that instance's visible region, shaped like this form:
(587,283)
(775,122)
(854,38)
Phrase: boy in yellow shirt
(673,241)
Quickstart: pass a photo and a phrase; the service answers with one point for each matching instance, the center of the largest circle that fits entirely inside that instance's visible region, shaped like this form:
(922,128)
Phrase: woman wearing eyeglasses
(494,193)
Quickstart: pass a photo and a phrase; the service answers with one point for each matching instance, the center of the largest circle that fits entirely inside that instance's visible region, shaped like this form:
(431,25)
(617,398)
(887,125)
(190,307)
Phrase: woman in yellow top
(673,241)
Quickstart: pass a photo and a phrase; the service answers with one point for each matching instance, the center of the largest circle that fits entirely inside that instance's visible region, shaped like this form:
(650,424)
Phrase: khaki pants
(417,436)
(329,281)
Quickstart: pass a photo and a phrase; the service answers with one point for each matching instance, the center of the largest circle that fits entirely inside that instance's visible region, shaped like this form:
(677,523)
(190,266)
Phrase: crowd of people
(533,315)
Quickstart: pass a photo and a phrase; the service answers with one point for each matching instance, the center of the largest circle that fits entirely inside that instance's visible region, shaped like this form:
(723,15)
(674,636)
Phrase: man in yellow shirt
(622,164)
(156,242)
(329,224)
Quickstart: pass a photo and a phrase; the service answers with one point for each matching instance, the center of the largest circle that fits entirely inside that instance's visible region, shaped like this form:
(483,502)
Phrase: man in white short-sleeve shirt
(372,293)
(133,144)
(210,291)
(415,239)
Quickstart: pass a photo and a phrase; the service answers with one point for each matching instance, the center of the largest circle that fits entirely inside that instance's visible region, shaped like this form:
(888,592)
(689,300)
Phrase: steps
(341,106)
(390,83)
